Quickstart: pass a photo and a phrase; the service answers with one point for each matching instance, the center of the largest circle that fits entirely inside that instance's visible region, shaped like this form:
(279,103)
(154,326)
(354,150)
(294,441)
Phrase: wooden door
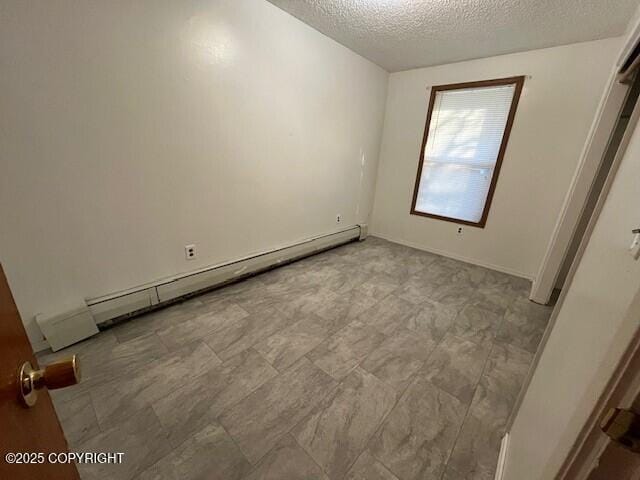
(24,429)
(616,463)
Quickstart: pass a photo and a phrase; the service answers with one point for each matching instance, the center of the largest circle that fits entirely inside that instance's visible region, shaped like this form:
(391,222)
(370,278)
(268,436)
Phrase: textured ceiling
(403,34)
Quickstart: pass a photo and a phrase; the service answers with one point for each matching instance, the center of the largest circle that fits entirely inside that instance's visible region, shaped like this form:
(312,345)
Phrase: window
(466,134)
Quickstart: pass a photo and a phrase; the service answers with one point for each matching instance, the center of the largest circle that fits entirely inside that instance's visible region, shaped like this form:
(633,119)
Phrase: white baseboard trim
(502,458)
(462,258)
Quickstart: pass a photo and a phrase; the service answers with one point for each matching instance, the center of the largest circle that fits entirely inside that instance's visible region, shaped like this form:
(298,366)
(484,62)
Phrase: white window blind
(463,142)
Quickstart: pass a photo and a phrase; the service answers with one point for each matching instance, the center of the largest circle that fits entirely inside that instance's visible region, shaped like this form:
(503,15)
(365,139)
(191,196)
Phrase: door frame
(600,131)
(622,148)
(591,157)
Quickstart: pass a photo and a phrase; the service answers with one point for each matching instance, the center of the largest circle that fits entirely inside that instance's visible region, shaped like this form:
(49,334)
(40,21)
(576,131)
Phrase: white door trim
(502,458)
(590,160)
(634,39)
(633,121)
(573,206)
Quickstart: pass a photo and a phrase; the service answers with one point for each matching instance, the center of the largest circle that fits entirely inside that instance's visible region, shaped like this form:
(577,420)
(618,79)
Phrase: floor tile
(475,454)
(320,275)
(418,435)
(509,363)
(123,358)
(476,451)
(199,402)
(343,351)
(287,460)
(210,453)
(524,324)
(480,276)
(494,298)
(78,419)
(120,399)
(214,301)
(196,328)
(259,421)
(237,336)
(301,304)
(440,272)
(476,324)
(284,348)
(102,358)
(433,319)
(349,279)
(157,319)
(455,367)
(416,290)
(338,429)
(89,353)
(399,357)
(521,287)
(142,441)
(418,260)
(390,313)
(267,297)
(396,268)
(379,286)
(368,468)
(453,292)
(318,348)
(472,474)
(500,384)
(338,311)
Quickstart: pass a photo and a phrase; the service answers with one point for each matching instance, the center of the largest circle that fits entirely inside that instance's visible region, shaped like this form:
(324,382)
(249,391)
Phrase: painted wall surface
(556,109)
(593,328)
(131,129)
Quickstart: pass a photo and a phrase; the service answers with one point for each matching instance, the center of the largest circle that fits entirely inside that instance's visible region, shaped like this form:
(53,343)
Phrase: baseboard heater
(109,309)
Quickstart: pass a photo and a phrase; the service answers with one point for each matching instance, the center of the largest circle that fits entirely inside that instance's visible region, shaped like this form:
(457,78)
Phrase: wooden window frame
(518,82)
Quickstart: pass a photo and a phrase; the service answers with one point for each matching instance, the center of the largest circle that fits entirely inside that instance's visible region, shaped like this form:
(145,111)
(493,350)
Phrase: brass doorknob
(63,373)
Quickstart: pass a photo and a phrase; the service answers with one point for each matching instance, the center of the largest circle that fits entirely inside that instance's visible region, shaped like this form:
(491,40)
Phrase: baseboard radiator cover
(111,309)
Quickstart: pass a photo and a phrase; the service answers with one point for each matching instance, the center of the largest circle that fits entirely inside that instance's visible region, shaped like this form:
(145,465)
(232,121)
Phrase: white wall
(592,329)
(555,112)
(130,129)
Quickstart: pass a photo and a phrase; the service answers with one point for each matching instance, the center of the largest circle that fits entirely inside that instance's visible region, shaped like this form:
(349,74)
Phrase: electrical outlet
(338,218)
(190,252)
(459,231)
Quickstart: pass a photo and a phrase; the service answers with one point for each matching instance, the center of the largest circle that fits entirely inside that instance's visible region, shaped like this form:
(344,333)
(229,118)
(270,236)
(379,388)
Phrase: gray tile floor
(369,361)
